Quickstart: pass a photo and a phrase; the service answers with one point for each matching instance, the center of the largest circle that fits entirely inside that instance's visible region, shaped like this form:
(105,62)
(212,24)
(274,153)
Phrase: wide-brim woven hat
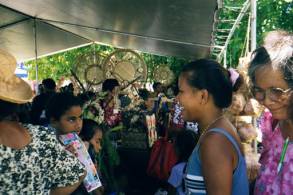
(12,88)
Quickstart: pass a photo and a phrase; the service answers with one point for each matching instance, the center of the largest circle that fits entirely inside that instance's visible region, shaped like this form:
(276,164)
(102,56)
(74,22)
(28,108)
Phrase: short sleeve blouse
(269,181)
(38,167)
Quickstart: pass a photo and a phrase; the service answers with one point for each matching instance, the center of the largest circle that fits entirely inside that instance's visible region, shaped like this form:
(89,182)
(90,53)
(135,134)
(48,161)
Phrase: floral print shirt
(112,116)
(93,110)
(176,115)
(269,181)
(41,165)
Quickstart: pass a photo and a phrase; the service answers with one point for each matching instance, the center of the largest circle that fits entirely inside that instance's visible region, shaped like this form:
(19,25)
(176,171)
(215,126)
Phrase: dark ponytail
(210,75)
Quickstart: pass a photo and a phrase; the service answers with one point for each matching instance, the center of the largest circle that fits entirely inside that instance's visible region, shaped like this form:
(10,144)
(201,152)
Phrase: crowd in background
(214,131)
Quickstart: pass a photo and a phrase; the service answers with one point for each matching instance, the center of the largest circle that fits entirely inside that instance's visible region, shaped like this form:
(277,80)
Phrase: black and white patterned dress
(38,167)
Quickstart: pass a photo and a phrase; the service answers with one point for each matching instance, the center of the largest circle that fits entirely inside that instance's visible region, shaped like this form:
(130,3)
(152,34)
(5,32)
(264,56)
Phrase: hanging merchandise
(245,53)
(151,126)
(163,157)
(163,74)
(88,71)
(126,66)
(135,131)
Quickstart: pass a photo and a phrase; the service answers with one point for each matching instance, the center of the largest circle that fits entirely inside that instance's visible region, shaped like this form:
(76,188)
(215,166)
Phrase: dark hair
(23,113)
(175,87)
(49,84)
(109,84)
(59,103)
(67,89)
(185,142)
(7,109)
(89,128)
(210,75)
(144,94)
(156,84)
(86,96)
(41,89)
(277,52)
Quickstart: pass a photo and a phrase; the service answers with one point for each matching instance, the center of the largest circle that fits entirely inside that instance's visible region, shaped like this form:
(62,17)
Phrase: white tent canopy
(165,27)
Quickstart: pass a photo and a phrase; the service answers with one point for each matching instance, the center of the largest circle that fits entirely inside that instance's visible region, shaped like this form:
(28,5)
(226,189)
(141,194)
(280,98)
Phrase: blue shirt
(176,177)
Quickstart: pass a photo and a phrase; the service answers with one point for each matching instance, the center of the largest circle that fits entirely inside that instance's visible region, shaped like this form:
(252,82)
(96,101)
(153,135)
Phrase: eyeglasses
(274,94)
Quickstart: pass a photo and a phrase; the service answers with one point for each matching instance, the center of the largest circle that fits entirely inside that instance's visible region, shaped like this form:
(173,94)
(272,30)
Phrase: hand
(71,149)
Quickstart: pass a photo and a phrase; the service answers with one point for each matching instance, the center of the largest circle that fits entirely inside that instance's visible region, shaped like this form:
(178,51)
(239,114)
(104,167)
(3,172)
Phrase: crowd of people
(215,131)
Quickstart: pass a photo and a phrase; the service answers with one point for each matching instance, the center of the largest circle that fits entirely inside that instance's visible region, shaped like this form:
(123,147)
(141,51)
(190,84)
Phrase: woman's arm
(64,170)
(67,189)
(99,191)
(216,154)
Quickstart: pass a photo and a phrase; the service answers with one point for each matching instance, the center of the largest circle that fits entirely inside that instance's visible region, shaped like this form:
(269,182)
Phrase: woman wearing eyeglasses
(271,73)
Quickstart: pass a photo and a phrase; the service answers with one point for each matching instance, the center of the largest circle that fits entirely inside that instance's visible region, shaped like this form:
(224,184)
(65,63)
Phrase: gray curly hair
(276,51)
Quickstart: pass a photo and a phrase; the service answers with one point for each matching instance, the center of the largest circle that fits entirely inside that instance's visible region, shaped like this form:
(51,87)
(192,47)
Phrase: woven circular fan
(88,69)
(94,75)
(125,65)
(163,74)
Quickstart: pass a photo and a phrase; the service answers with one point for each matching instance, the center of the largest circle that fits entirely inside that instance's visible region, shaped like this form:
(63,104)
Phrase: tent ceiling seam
(127,34)
(65,30)
(13,23)
(29,17)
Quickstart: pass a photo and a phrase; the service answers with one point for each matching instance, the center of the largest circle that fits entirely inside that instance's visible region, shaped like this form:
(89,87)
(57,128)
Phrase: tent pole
(36,56)
(253,24)
(225,58)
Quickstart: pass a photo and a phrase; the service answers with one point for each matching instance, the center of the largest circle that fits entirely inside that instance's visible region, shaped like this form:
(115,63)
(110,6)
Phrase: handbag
(163,157)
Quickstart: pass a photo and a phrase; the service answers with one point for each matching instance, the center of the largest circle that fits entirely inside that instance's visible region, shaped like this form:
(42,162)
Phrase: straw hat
(12,88)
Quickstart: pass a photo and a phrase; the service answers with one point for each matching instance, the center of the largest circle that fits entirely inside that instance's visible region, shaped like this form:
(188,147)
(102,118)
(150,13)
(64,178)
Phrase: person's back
(40,102)
(38,116)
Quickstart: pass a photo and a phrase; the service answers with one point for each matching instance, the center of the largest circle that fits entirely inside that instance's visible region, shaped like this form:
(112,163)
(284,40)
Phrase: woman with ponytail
(217,164)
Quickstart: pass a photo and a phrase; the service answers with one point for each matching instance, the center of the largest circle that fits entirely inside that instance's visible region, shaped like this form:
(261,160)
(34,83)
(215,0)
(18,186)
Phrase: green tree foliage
(274,14)
(271,15)
(58,65)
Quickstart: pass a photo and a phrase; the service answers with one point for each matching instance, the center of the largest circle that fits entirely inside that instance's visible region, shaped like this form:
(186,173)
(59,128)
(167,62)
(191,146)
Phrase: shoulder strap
(229,137)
